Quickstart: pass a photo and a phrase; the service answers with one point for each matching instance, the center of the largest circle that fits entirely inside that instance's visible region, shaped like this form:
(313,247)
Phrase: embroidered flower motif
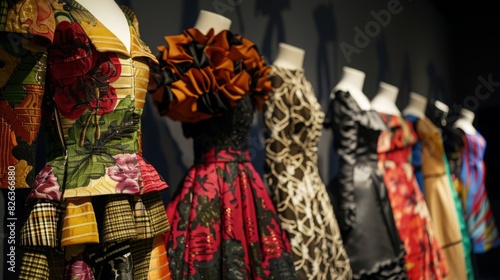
(46,185)
(80,75)
(126,172)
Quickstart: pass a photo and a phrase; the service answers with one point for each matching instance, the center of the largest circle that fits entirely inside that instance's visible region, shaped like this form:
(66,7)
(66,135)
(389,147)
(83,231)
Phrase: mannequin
(443,109)
(352,81)
(441,106)
(416,106)
(220,130)
(464,122)
(385,100)
(289,57)
(117,23)
(207,20)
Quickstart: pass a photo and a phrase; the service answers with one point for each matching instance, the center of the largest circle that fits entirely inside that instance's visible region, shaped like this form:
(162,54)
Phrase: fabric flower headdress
(201,76)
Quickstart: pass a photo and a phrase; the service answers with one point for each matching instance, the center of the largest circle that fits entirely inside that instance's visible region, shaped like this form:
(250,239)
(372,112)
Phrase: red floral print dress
(424,257)
(224,224)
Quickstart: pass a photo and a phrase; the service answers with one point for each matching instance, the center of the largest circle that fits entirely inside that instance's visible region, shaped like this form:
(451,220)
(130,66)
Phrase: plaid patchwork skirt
(100,237)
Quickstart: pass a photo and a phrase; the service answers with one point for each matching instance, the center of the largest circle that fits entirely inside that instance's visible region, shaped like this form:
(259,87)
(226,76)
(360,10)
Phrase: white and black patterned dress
(294,120)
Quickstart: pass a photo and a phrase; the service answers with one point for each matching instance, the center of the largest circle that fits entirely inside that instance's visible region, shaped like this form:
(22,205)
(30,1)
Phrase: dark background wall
(437,48)
(475,42)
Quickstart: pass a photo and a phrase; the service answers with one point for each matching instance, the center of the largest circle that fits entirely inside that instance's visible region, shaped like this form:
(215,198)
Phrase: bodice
(356,132)
(95,93)
(228,131)
(293,115)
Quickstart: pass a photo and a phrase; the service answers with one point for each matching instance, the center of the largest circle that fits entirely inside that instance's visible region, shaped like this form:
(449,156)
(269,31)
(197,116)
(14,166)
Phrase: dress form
(207,20)
(385,100)
(440,113)
(416,106)
(352,81)
(464,122)
(111,16)
(289,57)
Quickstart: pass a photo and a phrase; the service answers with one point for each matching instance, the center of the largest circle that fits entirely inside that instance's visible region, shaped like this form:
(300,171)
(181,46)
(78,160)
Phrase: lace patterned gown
(95,207)
(294,121)
(360,196)
(224,224)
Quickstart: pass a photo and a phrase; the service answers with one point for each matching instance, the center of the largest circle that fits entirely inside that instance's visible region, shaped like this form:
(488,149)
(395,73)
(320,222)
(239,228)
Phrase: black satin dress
(360,197)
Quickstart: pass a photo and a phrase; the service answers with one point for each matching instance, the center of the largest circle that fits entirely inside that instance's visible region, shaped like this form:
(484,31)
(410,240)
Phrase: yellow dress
(439,198)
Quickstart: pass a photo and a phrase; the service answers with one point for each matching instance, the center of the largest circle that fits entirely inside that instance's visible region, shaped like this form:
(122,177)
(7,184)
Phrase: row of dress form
(95,210)
(390,161)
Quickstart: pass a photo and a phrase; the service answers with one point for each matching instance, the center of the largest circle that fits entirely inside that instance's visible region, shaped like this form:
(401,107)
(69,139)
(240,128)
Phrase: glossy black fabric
(230,130)
(360,197)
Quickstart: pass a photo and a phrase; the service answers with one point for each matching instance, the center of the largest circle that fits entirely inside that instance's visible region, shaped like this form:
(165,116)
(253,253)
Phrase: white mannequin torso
(352,81)
(289,57)
(464,122)
(385,100)
(207,20)
(441,106)
(416,106)
(111,16)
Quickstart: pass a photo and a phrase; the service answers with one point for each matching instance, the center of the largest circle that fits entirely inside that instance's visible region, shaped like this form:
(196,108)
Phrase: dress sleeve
(344,124)
(278,138)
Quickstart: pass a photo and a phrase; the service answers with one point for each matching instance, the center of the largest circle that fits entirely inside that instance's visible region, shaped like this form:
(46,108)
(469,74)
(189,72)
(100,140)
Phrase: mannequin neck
(465,122)
(352,81)
(416,106)
(111,16)
(208,20)
(289,57)
(385,100)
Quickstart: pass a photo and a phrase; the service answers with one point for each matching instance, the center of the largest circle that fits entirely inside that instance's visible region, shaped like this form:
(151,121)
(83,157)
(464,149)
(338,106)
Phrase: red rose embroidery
(80,75)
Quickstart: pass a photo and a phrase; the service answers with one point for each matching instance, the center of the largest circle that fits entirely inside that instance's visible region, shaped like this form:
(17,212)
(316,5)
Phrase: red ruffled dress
(224,224)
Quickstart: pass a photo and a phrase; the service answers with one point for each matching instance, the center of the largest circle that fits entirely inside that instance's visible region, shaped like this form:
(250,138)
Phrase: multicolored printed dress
(294,121)
(470,186)
(224,224)
(95,208)
(424,257)
(438,194)
(26,30)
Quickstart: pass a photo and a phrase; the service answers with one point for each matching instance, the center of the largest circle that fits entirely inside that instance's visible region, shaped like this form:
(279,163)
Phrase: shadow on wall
(437,87)
(327,58)
(384,67)
(275,22)
(190,10)
(326,27)
(405,87)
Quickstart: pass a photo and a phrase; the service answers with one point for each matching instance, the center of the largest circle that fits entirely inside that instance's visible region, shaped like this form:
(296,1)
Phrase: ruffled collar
(203,75)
